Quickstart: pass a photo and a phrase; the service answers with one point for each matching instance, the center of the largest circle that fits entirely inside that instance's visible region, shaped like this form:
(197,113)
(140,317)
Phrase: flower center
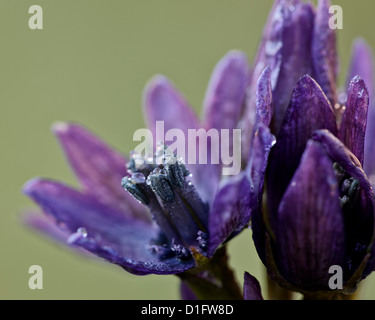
(348,187)
(356,240)
(161,183)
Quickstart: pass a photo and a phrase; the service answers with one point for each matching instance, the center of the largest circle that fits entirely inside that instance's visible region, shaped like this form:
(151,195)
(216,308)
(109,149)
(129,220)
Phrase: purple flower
(172,217)
(320,203)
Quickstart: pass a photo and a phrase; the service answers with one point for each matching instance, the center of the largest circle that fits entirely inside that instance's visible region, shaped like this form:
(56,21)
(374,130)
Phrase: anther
(162,251)
(202,240)
(348,186)
(354,188)
(160,185)
(176,174)
(181,252)
(135,190)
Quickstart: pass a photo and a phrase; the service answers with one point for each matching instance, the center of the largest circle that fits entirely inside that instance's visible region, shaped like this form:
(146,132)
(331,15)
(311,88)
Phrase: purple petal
(353,123)
(137,267)
(340,154)
(296,58)
(272,37)
(98,168)
(311,234)
(264,111)
(226,92)
(361,224)
(102,230)
(186,293)
(251,288)
(286,49)
(362,64)
(230,211)
(256,169)
(261,62)
(45,225)
(264,97)
(324,52)
(309,110)
(162,102)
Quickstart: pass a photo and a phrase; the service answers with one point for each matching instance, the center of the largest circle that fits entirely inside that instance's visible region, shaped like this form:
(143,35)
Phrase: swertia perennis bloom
(173,218)
(320,203)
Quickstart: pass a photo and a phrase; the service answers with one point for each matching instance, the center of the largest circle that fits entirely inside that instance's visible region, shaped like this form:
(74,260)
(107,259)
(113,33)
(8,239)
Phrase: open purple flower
(320,203)
(173,217)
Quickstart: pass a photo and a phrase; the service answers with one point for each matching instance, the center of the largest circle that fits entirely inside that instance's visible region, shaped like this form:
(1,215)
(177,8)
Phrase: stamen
(162,251)
(348,187)
(165,251)
(173,201)
(181,252)
(203,240)
(138,164)
(176,173)
(135,190)
(354,188)
(160,185)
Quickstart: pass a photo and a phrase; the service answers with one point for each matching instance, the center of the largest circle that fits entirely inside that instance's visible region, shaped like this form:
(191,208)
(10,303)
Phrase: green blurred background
(89,65)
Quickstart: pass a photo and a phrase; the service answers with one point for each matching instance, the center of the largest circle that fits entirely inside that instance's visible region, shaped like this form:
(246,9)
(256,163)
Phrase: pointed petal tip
(306,78)
(233,59)
(30,186)
(39,188)
(324,4)
(307,81)
(158,80)
(360,44)
(60,127)
(357,79)
(226,90)
(363,47)
(162,101)
(235,55)
(64,128)
(266,70)
(155,90)
(252,290)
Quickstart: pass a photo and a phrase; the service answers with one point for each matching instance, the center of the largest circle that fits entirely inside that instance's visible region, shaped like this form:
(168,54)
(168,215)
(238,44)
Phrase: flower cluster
(305,184)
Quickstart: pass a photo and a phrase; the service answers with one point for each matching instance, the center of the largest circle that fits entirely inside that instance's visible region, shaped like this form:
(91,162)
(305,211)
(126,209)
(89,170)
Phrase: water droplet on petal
(80,234)
(137,178)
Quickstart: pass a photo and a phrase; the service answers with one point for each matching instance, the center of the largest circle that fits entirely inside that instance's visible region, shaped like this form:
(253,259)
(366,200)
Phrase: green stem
(213,280)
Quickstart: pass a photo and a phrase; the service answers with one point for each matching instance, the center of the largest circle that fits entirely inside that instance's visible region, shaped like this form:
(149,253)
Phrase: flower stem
(213,280)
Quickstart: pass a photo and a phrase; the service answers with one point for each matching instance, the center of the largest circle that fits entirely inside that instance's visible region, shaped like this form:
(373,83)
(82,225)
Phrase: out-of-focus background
(89,65)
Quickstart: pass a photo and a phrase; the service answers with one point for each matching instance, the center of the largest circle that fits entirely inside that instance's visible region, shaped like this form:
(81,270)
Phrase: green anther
(176,174)
(135,190)
(160,185)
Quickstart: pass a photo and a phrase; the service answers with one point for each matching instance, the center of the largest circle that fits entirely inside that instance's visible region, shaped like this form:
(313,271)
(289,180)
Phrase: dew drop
(80,234)
(137,178)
